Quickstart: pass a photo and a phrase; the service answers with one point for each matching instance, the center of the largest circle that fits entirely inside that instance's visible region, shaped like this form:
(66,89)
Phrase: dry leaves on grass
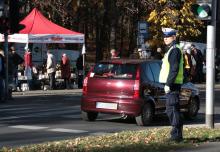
(145,140)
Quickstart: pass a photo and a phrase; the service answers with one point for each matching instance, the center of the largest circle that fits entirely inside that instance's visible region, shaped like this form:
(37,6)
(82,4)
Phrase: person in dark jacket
(171,75)
(13,61)
(198,56)
(158,55)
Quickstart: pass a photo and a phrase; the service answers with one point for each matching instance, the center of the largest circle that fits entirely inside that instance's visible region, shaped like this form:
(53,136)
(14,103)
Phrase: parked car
(131,88)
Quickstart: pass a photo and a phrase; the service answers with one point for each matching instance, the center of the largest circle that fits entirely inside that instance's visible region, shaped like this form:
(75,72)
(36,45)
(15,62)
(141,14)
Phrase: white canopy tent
(39,29)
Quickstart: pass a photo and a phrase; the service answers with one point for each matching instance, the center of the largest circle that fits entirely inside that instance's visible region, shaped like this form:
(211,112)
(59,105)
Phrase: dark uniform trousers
(173,113)
(52,80)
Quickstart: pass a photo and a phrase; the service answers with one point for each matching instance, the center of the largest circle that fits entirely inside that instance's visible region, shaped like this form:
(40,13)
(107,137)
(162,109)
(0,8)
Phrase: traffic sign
(143,33)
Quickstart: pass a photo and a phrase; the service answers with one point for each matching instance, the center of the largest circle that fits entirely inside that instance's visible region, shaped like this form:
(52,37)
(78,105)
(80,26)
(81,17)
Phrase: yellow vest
(165,68)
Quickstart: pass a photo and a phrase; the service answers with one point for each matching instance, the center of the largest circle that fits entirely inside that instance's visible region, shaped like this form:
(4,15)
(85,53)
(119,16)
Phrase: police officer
(171,75)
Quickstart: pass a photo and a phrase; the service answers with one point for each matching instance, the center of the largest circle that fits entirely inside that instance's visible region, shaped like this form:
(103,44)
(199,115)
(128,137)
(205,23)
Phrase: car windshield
(110,70)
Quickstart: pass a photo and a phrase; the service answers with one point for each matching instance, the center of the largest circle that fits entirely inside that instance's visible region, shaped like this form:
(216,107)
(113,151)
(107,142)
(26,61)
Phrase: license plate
(103,105)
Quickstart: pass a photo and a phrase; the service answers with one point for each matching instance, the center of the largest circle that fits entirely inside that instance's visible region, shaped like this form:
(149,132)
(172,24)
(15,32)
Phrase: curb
(48,92)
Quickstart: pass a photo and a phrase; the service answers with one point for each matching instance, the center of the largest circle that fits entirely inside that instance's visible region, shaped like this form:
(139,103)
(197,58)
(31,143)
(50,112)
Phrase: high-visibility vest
(165,68)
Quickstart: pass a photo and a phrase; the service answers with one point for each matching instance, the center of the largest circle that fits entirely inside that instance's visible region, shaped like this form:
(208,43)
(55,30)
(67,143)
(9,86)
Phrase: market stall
(38,29)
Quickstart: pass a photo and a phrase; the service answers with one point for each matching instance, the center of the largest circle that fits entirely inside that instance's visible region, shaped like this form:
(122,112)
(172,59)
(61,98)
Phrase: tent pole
(83,66)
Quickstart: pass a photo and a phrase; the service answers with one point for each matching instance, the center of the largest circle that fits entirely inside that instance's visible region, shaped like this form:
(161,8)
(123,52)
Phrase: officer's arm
(174,60)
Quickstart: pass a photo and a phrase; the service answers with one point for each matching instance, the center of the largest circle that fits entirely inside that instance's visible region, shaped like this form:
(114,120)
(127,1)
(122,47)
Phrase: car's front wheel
(146,116)
(192,109)
(89,116)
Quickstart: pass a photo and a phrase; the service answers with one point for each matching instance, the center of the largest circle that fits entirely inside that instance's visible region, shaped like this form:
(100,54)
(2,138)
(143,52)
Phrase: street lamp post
(210,66)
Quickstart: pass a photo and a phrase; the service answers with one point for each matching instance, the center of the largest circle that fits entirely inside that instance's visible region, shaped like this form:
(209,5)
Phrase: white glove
(166,89)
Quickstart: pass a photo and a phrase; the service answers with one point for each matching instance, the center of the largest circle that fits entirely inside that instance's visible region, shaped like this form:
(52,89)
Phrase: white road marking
(67,130)
(63,130)
(28,127)
(46,112)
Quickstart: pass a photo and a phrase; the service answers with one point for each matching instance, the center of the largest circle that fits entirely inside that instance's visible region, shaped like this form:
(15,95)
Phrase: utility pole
(210,66)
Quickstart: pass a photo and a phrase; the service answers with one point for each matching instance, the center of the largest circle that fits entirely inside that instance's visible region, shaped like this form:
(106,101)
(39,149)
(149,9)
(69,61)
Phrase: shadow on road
(53,108)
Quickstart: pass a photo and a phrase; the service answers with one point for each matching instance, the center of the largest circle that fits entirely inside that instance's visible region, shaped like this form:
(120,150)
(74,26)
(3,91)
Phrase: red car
(131,87)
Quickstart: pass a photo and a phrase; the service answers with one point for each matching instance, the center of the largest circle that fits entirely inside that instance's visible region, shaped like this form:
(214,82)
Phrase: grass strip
(150,140)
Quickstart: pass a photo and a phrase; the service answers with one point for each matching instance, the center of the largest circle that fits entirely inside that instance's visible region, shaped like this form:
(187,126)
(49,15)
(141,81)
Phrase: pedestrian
(51,69)
(198,56)
(13,61)
(28,66)
(79,66)
(146,50)
(134,54)
(2,76)
(114,54)
(139,50)
(171,75)
(158,55)
(65,70)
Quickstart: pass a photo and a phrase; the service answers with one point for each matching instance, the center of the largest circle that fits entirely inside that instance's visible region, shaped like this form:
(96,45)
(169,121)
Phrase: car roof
(127,61)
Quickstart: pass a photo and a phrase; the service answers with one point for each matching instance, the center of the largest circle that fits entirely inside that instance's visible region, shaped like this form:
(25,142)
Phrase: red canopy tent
(39,29)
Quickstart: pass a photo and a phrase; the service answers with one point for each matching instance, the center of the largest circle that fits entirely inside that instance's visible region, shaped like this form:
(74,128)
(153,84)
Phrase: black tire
(146,116)
(89,116)
(192,109)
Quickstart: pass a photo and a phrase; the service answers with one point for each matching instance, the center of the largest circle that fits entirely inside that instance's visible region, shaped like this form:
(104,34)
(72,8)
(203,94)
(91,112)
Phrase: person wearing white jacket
(51,69)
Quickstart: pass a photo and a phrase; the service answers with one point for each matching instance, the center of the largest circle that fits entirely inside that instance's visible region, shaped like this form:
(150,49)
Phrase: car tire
(146,116)
(89,116)
(192,109)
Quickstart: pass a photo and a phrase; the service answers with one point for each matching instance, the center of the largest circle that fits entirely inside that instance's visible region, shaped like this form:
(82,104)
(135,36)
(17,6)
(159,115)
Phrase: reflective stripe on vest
(165,68)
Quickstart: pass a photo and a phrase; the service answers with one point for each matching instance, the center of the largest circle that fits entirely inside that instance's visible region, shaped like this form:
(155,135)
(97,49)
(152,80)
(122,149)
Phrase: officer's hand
(166,89)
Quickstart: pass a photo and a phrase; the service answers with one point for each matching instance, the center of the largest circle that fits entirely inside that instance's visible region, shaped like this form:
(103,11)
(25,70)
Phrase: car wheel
(193,108)
(89,116)
(146,115)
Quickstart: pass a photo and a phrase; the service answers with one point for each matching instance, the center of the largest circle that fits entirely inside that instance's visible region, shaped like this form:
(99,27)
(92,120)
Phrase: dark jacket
(13,61)
(79,63)
(17,59)
(174,60)
(2,72)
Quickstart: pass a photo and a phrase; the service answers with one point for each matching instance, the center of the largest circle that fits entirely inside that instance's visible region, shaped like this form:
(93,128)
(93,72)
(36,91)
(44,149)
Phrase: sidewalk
(78,91)
(47,92)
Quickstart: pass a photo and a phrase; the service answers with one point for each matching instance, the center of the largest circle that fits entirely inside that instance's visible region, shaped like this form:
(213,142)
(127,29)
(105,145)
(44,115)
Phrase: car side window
(155,68)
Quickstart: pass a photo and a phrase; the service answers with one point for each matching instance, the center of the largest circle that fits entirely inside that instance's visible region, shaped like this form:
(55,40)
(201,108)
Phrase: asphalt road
(47,116)
(36,117)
